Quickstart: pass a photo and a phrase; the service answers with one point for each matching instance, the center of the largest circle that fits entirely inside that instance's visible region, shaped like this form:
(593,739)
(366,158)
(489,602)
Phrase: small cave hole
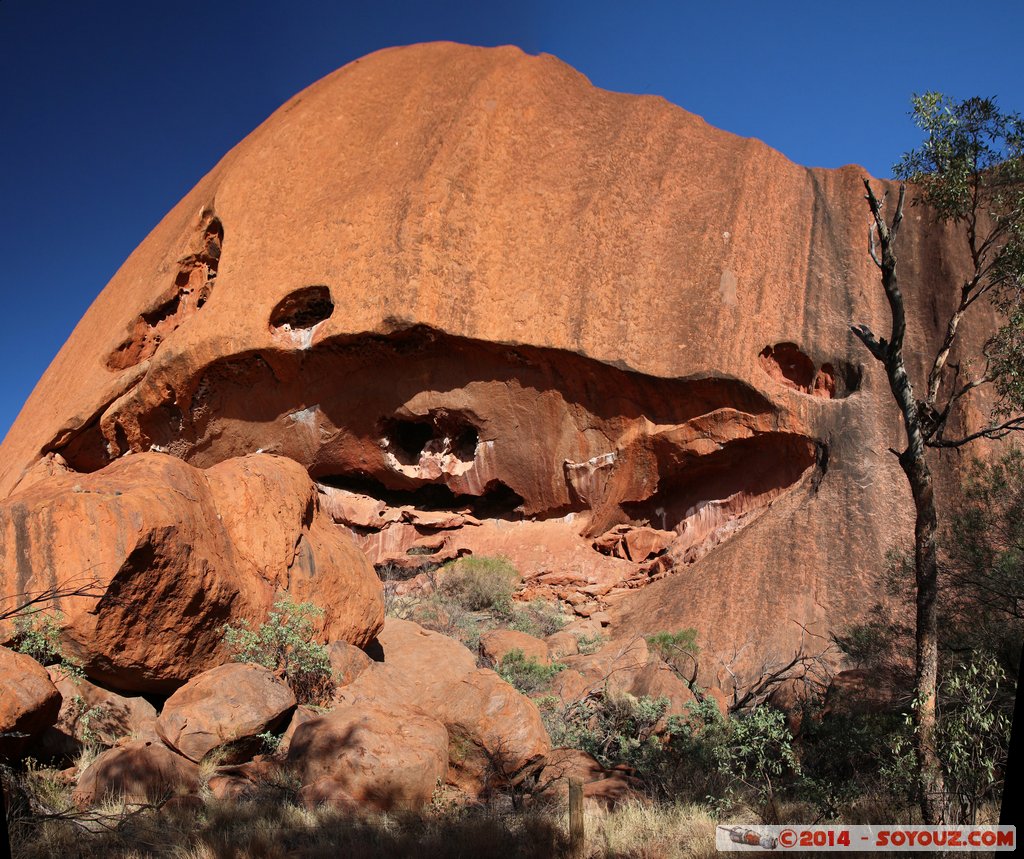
(303,308)
(787,364)
(464,444)
(406,439)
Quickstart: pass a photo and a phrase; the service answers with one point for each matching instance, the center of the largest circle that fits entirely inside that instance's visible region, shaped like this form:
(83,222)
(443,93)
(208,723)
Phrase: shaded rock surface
(92,714)
(370,753)
(224,708)
(29,702)
(138,772)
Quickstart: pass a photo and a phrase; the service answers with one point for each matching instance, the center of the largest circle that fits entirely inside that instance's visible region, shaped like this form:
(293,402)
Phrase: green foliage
(679,649)
(984,567)
(759,751)
(973,734)
(615,727)
(538,618)
(481,583)
(284,643)
(589,644)
(445,615)
(970,170)
(527,674)
(271,742)
(39,636)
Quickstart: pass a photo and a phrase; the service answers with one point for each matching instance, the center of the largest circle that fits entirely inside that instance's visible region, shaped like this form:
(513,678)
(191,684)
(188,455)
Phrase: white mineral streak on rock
(590,479)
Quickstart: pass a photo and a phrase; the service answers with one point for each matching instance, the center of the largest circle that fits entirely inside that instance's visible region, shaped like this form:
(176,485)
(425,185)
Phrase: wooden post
(576,834)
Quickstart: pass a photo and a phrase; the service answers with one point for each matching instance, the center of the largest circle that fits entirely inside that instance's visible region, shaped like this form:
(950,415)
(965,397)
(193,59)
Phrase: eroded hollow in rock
(418,420)
(789,365)
(707,497)
(302,309)
(497,500)
(193,285)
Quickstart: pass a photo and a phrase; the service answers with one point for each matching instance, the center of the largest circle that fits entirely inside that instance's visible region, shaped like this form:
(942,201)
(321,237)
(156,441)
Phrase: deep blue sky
(110,111)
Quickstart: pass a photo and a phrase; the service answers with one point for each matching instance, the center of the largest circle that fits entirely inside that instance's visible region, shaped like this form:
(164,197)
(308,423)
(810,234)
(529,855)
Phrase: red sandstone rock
(496,643)
(347,662)
(29,702)
(90,713)
(687,261)
(372,754)
(495,731)
(562,643)
(227,705)
(300,716)
(141,771)
(175,553)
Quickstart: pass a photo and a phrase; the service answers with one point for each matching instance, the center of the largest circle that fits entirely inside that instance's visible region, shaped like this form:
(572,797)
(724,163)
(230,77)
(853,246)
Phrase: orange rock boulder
(171,553)
(375,754)
(225,708)
(495,732)
(137,772)
(29,702)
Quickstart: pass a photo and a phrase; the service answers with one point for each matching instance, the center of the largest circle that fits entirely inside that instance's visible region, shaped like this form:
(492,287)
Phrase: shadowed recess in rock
(436,422)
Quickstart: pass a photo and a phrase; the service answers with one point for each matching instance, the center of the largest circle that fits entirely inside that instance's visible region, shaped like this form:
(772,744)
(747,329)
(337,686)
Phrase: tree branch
(875,346)
(1012,425)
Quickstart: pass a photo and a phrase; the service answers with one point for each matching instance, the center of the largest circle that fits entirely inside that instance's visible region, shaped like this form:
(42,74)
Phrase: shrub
(679,649)
(972,734)
(284,644)
(446,616)
(481,583)
(615,727)
(39,636)
(590,644)
(538,618)
(527,674)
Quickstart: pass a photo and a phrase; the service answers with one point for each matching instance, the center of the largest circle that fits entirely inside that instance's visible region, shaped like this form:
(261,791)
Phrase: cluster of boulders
(412,712)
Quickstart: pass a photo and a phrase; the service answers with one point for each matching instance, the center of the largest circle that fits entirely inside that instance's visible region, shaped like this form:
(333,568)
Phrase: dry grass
(645,831)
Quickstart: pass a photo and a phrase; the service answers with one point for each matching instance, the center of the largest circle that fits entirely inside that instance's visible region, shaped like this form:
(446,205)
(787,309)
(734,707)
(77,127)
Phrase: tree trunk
(915,466)
(932,788)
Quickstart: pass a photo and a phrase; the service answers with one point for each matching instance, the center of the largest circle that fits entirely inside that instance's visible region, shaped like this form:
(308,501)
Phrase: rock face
(29,702)
(495,733)
(176,552)
(371,754)
(91,714)
(223,707)
(582,329)
(141,771)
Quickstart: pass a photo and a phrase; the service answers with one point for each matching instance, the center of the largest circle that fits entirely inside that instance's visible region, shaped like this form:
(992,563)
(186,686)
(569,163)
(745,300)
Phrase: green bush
(39,636)
(527,674)
(538,618)
(443,614)
(590,644)
(284,644)
(481,583)
(615,727)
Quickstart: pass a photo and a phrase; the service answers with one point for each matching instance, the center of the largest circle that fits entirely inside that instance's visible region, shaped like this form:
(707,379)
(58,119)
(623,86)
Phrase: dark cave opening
(498,501)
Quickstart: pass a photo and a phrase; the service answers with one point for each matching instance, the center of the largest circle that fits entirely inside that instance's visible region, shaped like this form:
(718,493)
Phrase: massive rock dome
(487,307)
